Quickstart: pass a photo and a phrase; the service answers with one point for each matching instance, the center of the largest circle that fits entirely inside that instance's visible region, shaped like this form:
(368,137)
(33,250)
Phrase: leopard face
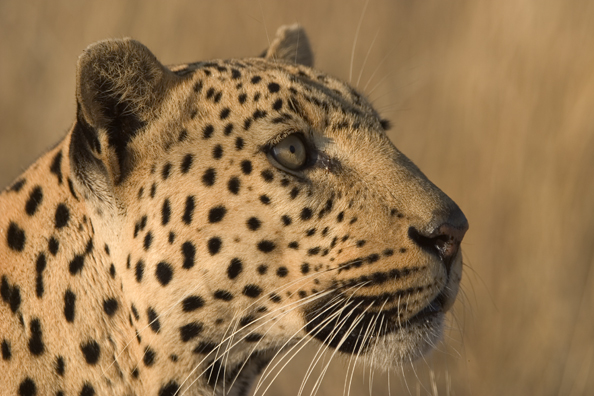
(199,219)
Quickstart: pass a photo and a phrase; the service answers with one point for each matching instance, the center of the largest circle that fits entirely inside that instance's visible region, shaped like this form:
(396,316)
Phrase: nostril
(443,241)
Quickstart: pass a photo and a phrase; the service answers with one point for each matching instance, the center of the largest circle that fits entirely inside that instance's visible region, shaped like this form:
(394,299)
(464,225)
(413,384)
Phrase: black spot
(183,135)
(239,143)
(169,389)
(214,245)
(198,86)
(267,175)
(388,252)
(71,188)
(166,171)
(148,240)
(164,273)
(235,268)
(187,163)
(149,357)
(216,214)
(56,166)
(253,337)
(209,177)
(252,291)
(247,123)
(76,265)
(233,185)
(259,114)
(246,167)
(293,245)
(264,199)
(310,232)
(192,303)
(242,98)
(286,220)
(361,243)
(304,268)
(53,246)
(191,330)
(60,366)
(340,217)
(165,212)
(139,270)
(275,298)
(246,321)
(171,237)
(153,190)
(16,187)
(273,87)
(112,271)
(15,237)
(282,272)
(153,320)
(210,93)
(62,216)
(40,265)
(69,305)
(91,351)
(225,113)
(208,131)
(205,347)
(15,298)
(135,373)
(266,246)
(218,97)
(34,200)
(5,289)
(189,253)
(302,294)
(110,306)
(294,192)
(189,210)
(135,312)
(36,346)
(223,295)
(313,251)
(6,352)
(87,390)
(228,129)
(27,387)
(306,214)
(256,79)
(278,104)
(235,74)
(217,152)
(253,223)
(262,269)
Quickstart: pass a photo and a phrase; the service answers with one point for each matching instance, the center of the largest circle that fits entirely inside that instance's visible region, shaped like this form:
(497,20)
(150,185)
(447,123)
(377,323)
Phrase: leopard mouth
(354,330)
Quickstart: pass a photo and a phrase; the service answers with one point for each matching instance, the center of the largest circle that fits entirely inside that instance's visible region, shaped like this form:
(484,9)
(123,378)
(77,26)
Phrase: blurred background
(494,100)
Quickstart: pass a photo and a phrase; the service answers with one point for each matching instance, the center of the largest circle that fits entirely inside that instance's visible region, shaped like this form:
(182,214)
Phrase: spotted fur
(160,249)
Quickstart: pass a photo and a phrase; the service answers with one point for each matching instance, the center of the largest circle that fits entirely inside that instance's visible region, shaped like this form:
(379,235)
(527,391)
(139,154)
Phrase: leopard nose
(443,236)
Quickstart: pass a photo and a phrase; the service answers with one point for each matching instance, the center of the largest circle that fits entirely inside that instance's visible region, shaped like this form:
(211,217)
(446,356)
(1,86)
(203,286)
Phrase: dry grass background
(494,100)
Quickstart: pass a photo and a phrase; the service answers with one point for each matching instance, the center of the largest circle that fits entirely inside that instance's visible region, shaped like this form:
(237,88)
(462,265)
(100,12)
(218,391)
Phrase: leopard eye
(290,152)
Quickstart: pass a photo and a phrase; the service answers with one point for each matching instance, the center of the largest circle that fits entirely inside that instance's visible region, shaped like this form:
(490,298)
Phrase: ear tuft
(291,45)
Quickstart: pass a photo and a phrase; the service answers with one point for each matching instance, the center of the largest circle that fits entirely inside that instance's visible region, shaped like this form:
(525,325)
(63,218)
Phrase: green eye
(290,152)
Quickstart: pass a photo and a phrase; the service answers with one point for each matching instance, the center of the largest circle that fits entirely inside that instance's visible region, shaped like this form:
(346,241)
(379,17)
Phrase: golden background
(494,100)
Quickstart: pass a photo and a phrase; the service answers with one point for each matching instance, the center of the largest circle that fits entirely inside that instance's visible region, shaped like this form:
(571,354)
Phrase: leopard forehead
(162,246)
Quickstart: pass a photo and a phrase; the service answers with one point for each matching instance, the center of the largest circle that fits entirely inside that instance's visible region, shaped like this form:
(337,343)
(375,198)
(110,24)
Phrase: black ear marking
(290,45)
(120,87)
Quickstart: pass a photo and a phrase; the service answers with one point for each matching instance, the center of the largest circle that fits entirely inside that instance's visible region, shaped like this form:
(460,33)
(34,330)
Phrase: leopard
(200,220)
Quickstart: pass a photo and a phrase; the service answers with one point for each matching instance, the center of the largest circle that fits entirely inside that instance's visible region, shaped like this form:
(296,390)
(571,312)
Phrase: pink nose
(444,239)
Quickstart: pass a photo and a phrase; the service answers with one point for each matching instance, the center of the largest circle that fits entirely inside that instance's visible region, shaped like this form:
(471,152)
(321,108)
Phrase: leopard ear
(290,45)
(120,88)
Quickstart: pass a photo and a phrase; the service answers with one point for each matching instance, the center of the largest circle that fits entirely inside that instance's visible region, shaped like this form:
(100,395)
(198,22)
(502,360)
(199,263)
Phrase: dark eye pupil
(292,149)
